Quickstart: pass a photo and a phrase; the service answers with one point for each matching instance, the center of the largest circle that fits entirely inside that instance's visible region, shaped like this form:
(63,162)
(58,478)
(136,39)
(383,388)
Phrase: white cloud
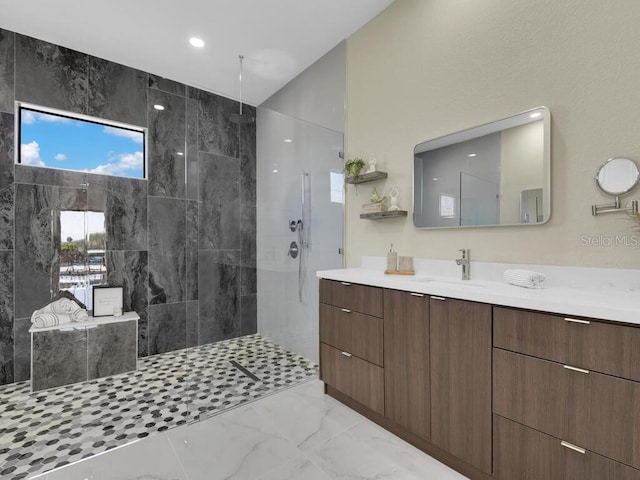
(120,132)
(30,154)
(120,164)
(30,117)
(60,157)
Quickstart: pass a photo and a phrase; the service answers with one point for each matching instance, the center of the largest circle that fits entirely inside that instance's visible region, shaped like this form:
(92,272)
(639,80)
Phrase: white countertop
(614,305)
(90,322)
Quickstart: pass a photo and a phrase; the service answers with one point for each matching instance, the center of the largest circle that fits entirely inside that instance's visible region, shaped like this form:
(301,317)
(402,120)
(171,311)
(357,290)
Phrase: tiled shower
(181,243)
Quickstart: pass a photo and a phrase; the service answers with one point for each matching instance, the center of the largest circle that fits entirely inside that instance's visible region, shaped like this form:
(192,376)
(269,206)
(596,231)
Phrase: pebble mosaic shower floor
(44,430)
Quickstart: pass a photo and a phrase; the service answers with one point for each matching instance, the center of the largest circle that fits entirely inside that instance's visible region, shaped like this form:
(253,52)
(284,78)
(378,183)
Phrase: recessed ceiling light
(158,107)
(472,154)
(535,115)
(196,42)
(179,153)
(288,140)
(435,179)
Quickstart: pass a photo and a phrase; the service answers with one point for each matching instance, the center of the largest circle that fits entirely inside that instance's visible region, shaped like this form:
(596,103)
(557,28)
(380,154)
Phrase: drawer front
(356,333)
(358,298)
(605,348)
(541,394)
(614,418)
(598,412)
(536,334)
(592,345)
(360,380)
(526,454)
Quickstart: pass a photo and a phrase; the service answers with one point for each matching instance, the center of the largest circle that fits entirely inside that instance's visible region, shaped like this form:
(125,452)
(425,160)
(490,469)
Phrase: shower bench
(80,351)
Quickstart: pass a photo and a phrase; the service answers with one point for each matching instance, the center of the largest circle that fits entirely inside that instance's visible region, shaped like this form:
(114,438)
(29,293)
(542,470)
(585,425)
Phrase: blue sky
(60,142)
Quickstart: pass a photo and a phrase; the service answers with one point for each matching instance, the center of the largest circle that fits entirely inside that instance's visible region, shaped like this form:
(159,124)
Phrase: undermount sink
(448,282)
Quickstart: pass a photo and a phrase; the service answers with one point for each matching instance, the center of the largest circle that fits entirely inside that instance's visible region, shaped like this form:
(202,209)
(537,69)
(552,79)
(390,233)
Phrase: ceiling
(279,38)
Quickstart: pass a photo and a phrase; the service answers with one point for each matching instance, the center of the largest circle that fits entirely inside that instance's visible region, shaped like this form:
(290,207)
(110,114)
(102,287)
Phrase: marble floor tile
(296,470)
(151,459)
(240,445)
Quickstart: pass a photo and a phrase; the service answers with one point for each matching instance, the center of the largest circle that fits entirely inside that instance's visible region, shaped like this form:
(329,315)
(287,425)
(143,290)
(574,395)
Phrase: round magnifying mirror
(618,176)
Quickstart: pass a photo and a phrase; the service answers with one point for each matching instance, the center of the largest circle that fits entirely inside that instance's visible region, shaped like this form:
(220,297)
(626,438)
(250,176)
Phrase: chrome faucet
(465,261)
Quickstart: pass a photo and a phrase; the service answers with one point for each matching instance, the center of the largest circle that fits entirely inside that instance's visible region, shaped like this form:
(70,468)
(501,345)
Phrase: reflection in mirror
(82,253)
(495,174)
(618,176)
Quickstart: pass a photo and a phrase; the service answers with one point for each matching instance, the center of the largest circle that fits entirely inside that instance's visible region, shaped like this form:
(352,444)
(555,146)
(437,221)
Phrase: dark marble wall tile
(74,199)
(21,349)
(35,245)
(217,134)
(249,281)
(6,317)
(167,137)
(191,270)
(219,287)
(126,214)
(166,85)
(6,179)
(167,327)
(193,323)
(248,161)
(117,92)
(248,236)
(97,193)
(249,314)
(59,358)
(111,349)
(130,269)
(7,40)
(219,214)
(191,155)
(49,176)
(50,75)
(167,250)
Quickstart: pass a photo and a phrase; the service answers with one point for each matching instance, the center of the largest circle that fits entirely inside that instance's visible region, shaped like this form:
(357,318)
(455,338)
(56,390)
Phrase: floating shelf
(366,177)
(380,215)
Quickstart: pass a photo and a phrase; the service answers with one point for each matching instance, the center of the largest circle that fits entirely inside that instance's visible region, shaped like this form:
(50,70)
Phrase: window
(337,187)
(55,139)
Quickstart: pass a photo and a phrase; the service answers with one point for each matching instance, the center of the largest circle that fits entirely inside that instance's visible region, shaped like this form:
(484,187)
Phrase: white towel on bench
(60,312)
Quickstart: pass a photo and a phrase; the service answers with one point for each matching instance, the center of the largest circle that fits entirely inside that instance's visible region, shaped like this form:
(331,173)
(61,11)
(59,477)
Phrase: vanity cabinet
(460,342)
(351,341)
(572,388)
(406,350)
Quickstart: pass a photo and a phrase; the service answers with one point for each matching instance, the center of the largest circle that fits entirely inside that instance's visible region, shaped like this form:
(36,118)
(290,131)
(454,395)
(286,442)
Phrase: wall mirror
(492,175)
(618,176)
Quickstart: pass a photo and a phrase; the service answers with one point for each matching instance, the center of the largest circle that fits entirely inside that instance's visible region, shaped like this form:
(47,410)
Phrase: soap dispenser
(392,260)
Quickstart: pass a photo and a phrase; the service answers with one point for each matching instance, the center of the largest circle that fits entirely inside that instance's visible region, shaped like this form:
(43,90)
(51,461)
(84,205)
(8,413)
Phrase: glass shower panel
(299,205)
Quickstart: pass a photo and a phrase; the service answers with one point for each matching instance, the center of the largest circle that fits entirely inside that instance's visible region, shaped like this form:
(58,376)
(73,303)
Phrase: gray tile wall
(182,243)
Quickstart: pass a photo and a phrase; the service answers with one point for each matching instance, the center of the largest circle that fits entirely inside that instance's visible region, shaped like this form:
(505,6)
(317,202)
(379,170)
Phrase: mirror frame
(625,192)
(486,129)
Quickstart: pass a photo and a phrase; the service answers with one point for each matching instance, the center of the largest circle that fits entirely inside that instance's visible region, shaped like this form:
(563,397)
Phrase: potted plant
(353,167)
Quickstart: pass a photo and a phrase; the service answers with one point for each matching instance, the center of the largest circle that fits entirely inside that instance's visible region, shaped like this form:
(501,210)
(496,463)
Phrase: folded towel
(524,278)
(48,319)
(59,312)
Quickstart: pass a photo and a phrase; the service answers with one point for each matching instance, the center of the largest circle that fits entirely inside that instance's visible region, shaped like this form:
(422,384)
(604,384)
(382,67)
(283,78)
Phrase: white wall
(426,68)
(317,94)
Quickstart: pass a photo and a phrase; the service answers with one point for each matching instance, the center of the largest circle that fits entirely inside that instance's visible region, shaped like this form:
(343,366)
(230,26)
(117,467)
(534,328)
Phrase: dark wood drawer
(598,412)
(523,453)
(358,298)
(592,345)
(353,332)
(356,378)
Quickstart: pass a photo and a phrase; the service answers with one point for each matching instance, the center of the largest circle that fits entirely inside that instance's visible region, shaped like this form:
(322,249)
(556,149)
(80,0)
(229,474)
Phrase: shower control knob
(293,250)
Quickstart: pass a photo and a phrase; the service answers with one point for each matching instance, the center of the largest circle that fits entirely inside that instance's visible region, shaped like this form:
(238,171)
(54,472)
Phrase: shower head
(240,118)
